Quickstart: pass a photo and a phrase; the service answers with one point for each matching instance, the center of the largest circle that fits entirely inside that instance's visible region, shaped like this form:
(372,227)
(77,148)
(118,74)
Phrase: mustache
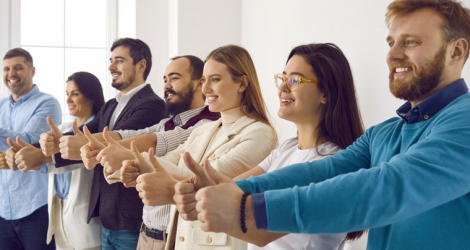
(170,91)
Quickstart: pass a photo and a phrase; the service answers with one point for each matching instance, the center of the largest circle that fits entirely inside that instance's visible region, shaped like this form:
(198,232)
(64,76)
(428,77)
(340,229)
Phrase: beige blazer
(246,143)
(79,234)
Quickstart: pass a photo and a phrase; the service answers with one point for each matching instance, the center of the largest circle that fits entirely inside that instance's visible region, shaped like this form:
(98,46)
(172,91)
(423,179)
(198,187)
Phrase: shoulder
(206,126)
(148,95)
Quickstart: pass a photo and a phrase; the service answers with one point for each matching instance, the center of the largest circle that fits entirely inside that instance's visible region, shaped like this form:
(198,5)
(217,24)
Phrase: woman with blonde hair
(235,143)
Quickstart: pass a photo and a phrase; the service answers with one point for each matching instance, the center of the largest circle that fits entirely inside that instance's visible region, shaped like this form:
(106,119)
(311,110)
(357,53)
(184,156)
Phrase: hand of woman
(185,191)
(113,156)
(90,150)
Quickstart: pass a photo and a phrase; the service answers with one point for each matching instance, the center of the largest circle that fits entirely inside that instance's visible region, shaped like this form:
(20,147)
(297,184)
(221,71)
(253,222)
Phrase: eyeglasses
(292,82)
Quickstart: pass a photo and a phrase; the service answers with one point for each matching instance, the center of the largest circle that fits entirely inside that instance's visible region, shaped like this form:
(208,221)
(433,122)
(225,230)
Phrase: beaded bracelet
(242,212)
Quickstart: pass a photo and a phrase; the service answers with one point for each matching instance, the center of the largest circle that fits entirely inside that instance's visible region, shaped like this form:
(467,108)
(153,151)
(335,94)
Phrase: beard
(126,83)
(21,89)
(424,79)
(183,103)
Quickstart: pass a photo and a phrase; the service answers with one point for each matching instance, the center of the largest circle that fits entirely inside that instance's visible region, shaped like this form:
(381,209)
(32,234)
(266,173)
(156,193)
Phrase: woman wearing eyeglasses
(316,92)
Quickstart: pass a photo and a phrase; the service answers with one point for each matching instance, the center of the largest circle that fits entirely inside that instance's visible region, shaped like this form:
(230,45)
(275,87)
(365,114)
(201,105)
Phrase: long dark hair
(341,122)
(90,87)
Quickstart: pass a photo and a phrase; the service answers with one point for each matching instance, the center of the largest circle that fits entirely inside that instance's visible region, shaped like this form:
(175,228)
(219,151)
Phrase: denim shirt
(22,193)
(62,181)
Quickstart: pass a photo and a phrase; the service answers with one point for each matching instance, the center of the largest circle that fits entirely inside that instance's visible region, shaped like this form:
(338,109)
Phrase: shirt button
(212,157)
(181,238)
(182,151)
(5,189)
(208,239)
(426,117)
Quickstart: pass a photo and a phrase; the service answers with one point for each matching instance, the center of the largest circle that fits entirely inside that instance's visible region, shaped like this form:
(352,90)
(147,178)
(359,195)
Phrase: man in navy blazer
(135,107)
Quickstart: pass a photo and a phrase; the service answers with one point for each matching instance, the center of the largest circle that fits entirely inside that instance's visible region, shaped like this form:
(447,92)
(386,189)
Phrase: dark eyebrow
(297,73)
(172,74)
(117,57)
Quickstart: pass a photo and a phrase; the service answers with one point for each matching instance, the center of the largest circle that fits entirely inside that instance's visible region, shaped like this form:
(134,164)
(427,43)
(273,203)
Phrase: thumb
(108,138)
(13,144)
(136,152)
(21,142)
(156,165)
(54,129)
(75,129)
(192,165)
(215,176)
(88,135)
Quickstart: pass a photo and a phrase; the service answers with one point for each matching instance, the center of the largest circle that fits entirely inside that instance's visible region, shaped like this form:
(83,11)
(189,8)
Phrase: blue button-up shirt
(22,193)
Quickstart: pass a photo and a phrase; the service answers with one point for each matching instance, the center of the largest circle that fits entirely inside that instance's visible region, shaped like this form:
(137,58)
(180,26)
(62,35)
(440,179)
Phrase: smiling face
(305,104)
(122,69)
(78,104)
(417,56)
(179,87)
(18,76)
(221,91)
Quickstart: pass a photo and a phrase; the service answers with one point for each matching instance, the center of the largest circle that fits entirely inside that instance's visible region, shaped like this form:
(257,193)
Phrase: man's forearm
(142,142)
(113,134)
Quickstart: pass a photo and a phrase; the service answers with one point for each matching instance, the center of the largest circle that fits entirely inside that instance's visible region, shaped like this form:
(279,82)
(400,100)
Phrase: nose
(69,99)
(283,87)
(167,85)
(206,88)
(396,53)
(112,67)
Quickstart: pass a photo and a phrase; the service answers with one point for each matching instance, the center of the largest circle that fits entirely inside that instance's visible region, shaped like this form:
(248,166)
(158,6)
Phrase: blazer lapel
(203,140)
(239,125)
(131,102)
(108,114)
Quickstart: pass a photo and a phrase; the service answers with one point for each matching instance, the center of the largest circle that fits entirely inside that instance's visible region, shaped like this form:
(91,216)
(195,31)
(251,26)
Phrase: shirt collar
(130,94)
(185,116)
(32,92)
(86,122)
(432,105)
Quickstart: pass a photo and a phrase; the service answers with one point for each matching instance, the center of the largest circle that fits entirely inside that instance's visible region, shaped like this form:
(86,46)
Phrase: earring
(240,90)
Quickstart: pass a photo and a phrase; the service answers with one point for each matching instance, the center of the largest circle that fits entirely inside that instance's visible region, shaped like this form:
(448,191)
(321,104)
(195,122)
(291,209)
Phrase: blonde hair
(239,63)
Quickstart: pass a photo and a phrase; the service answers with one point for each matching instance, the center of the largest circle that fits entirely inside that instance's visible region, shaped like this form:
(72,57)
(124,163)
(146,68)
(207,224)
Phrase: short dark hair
(341,122)
(138,50)
(90,87)
(196,66)
(28,59)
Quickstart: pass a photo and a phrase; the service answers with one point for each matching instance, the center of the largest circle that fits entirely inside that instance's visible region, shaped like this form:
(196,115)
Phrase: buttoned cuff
(162,145)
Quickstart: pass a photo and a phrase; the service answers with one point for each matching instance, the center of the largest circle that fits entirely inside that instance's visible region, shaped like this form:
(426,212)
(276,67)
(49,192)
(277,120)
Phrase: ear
(244,81)
(323,99)
(458,50)
(142,65)
(199,84)
(33,71)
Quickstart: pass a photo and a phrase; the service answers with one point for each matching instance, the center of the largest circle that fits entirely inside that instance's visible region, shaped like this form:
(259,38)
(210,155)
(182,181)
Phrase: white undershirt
(287,154)
(122,102)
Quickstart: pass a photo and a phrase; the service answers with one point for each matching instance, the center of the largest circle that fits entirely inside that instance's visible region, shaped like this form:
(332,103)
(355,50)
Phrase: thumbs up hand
(50,141)
(133,168)
(90,150)
(218,206)
(113,155)
(156,188)
(3,161)
(10,154)
(70,145)
(185,191)
(29,157)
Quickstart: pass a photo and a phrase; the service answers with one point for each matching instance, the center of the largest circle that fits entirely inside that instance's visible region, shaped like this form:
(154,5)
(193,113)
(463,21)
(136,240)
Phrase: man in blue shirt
(406,179)
(23,196)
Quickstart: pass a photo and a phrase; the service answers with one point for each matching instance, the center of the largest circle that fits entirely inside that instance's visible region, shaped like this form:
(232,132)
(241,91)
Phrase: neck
(135,84)
(230,116)
(308,135)
(82,119)
(197,102)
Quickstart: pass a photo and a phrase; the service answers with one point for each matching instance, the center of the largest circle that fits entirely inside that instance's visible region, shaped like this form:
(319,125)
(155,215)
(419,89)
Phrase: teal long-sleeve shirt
(408,183)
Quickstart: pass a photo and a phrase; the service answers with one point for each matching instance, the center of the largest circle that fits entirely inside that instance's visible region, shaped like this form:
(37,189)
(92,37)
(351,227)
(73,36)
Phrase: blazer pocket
(202,238)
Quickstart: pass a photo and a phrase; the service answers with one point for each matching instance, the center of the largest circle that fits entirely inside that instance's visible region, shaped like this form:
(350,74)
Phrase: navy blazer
(118,207)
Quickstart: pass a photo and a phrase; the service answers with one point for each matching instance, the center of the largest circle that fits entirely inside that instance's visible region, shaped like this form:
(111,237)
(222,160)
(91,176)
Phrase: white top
(122,102)
(287,154)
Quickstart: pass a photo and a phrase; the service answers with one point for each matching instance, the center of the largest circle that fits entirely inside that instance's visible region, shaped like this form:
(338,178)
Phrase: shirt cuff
(161,146)
(243,185)
(43,169)
(259,210)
